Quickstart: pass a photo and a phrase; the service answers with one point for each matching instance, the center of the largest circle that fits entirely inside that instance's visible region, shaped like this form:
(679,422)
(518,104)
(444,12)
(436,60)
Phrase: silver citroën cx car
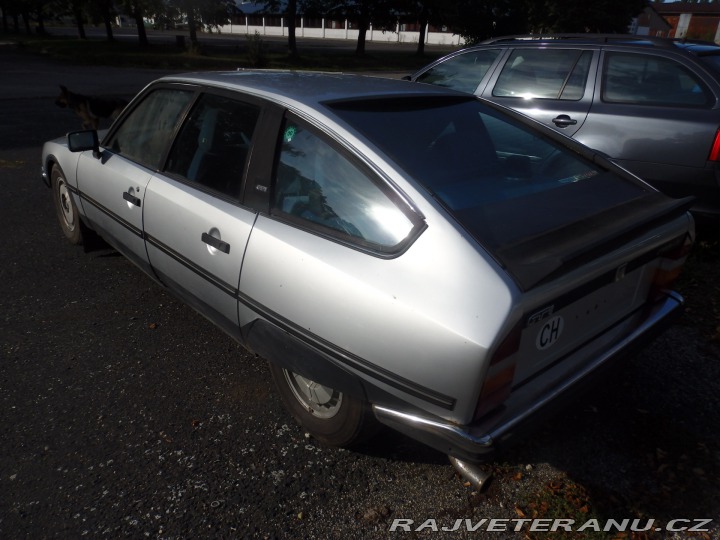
(399,253)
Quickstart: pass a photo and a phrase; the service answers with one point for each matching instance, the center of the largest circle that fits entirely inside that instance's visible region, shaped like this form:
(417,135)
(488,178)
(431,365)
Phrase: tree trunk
(108,26)
(421,40)
(3,8)
(192,27)
(77,11)
(140,23)
(360,48)
(26,21)
(106,10)
(40,23)
(292,19)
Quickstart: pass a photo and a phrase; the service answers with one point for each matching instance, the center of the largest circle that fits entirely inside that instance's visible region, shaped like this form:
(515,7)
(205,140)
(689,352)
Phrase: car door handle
(131,198)
(563,120)
(215,242)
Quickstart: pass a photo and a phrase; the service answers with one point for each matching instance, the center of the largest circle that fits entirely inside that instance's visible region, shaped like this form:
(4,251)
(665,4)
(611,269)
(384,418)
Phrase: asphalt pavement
(123,413)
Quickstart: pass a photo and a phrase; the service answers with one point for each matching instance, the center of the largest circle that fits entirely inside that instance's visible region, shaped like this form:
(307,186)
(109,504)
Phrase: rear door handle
(131,198)
(215,242)
(563,120)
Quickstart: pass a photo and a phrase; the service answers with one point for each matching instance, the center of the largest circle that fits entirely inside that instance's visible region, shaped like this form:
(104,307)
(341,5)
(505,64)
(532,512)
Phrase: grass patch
(243,53)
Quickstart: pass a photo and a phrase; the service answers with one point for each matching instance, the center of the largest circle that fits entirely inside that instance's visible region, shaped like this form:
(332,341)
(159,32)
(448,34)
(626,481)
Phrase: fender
(287,351)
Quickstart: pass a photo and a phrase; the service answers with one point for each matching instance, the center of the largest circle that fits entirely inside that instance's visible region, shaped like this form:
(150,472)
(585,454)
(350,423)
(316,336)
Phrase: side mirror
(79,141)
(406,78)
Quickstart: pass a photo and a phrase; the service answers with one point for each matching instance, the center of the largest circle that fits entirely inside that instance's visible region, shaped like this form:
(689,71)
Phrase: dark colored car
(650,104)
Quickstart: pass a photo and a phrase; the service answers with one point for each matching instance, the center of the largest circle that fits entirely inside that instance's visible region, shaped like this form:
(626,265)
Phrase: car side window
(319,186)
(214,143)
(462,72)
(643,79)
(544,74)
(146,132)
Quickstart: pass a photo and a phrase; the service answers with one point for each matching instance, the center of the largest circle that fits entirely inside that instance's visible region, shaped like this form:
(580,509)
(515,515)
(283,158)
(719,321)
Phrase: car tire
(331,417)
(67,212)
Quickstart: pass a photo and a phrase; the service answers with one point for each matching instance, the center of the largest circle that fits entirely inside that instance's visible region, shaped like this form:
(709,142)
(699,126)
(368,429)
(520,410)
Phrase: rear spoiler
(540,259)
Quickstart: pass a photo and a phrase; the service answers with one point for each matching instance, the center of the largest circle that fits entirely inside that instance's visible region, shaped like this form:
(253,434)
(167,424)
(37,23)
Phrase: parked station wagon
(651,104)
(401,254)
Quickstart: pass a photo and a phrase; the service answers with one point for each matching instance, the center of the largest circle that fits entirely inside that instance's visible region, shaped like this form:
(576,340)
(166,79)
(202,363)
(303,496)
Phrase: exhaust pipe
(470,472)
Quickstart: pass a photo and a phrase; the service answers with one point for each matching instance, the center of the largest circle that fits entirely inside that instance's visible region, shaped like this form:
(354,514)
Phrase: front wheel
(67,212)
(333,418)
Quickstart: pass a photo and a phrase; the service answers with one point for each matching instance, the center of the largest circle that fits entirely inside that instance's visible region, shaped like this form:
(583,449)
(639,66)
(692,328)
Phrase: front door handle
(215,242)
(131,198)
(563,121)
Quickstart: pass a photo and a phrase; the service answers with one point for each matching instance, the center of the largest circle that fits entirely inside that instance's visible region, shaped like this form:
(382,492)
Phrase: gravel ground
(125,414)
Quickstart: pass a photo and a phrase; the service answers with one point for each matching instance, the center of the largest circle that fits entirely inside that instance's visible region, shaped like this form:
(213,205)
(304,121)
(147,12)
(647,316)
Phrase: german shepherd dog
(90,109)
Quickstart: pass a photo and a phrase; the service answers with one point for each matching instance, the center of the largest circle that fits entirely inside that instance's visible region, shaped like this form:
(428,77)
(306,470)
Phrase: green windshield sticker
(290,133)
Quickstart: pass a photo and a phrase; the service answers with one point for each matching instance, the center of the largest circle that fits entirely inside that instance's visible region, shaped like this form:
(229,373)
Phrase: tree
(382,14)
(137,9)
(476,21)
(102,11)
(602,16)
(32,9)
(425,13)
(199,13)
(78,10)
(289,9)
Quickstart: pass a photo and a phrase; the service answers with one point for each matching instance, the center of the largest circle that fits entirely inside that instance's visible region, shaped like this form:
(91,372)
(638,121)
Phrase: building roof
(678,8)
(251,8)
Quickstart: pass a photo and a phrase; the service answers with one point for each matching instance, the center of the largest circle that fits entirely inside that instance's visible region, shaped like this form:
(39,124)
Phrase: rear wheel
(333,418)
(65,208)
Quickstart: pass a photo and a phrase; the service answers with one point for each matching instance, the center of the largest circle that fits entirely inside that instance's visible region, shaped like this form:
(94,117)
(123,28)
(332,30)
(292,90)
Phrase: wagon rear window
(506,183)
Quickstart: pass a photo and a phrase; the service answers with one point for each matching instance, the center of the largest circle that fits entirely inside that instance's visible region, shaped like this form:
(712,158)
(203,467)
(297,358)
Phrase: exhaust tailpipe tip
(472,473)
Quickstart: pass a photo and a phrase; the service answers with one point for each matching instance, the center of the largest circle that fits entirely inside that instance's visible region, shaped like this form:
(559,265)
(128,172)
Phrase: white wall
(435,38)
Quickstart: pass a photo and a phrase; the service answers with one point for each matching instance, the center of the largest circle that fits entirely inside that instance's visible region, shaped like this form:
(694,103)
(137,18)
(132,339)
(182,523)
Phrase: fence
(333,29)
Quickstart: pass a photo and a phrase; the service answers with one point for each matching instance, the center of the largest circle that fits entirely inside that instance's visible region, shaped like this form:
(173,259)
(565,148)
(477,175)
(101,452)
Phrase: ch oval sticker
(549,333)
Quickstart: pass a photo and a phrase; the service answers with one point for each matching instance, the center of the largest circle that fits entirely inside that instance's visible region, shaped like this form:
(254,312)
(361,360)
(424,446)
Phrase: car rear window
(647,79)
(506,183)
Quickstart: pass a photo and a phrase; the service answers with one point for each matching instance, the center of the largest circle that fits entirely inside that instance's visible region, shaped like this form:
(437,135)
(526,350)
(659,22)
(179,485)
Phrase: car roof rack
(597,38)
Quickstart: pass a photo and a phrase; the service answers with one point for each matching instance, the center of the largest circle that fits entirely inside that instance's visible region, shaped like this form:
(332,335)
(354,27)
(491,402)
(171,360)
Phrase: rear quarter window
(644,79)
(320,187)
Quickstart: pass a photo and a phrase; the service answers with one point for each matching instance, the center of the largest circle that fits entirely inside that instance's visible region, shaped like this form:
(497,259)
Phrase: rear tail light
(715,151)
(670,264)
(499,378)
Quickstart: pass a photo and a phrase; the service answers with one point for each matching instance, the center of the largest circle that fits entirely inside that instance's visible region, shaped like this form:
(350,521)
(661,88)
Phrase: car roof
(631,40)
(308,88)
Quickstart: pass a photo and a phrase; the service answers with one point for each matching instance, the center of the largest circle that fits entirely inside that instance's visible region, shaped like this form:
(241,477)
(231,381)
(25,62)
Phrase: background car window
(711,61)
(544,74)
(642,79)
(145,134)
(319,185)
(462,72)
(214,143)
